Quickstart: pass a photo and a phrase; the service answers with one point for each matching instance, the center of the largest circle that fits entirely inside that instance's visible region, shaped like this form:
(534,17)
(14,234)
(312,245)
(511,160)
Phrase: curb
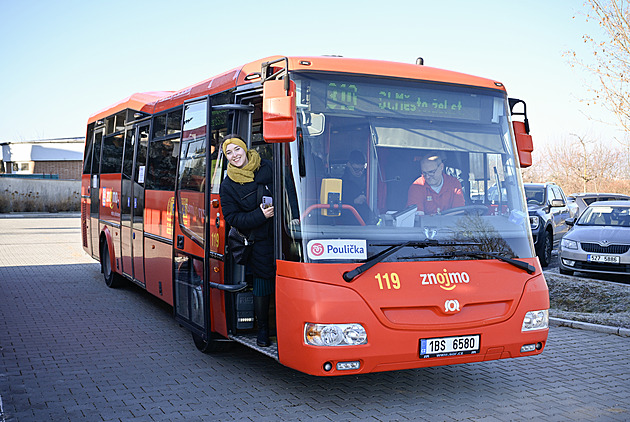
(41,214)
(619,331)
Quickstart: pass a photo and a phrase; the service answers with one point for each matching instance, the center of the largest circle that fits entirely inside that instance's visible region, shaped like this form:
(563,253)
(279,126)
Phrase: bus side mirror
(279,113)
(524,144)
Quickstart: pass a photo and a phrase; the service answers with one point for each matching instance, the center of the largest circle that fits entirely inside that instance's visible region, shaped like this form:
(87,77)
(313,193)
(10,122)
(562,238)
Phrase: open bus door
(198,289)
(189,290)
(132,204)
(94,226)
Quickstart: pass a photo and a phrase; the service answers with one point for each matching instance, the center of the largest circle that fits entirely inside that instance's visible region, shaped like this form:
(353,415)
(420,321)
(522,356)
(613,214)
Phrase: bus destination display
(374,99)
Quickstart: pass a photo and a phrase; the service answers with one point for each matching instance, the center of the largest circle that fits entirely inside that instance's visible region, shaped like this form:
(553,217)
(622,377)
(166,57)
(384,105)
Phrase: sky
(61,61)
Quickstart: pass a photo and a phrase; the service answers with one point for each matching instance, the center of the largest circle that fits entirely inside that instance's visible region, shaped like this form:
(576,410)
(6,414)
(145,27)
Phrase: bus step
(249,340)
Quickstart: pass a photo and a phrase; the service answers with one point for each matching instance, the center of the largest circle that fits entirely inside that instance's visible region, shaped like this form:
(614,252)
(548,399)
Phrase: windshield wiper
(375,259)
(519,264)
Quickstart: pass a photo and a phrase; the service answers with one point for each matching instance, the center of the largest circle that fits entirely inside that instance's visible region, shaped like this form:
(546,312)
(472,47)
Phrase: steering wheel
(467,210)
(327,206)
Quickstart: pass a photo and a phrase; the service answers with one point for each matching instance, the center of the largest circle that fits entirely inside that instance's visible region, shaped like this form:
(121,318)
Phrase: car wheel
(544,253)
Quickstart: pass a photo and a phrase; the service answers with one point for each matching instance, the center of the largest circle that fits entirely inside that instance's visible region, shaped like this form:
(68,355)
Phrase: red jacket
(427,200)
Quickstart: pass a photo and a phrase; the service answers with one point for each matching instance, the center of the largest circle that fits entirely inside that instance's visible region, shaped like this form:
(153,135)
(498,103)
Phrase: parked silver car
(583,200)
(599,241)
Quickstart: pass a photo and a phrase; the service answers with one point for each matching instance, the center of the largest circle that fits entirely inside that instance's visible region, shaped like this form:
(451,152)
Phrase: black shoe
(263,338)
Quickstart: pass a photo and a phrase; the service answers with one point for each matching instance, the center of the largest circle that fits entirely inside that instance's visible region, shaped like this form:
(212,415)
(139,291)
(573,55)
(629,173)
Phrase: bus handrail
(333,206)
(228,287)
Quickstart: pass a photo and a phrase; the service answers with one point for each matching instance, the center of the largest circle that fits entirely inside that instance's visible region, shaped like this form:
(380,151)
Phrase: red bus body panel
(492,303)
(159,207)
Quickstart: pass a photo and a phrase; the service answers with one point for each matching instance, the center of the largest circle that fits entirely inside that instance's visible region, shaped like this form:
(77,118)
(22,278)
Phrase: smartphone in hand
(267,201)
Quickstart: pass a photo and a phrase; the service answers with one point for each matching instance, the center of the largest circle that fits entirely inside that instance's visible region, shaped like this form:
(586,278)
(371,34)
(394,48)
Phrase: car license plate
(449,346)
(607,259)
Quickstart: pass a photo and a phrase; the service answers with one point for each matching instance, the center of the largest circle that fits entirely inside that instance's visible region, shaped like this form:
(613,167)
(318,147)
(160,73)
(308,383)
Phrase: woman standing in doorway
(248,179)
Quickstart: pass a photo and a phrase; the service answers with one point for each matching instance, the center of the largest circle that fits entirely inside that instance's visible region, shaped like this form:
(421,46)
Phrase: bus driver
(435,191)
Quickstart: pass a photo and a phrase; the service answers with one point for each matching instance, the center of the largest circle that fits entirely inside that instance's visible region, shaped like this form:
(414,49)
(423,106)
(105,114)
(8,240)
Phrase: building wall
(61,156)
(39,194)
(67,170)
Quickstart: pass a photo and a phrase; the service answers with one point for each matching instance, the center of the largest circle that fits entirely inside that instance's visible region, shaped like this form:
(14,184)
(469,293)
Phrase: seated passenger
(435,191)
(354,185)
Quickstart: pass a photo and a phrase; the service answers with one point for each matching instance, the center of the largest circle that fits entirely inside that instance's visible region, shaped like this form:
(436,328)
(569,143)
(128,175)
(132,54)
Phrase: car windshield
(604,215)
(384,162)
(535,195)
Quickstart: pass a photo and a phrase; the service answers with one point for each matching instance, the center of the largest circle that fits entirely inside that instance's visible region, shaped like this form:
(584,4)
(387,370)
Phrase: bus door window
(189,303)
(126,201)
(111,162)
(95,189)
(191,188)
(188,270)
(86,183)
(137,202)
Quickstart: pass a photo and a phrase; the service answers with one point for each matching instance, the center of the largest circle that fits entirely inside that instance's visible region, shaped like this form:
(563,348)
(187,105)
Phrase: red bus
(381,288)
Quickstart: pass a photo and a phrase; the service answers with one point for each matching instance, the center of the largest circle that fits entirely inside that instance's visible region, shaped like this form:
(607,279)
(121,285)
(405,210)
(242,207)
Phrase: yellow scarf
(245,174)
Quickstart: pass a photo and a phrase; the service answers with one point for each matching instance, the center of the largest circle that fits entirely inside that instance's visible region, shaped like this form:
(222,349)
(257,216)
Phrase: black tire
(211,345)
(565,272)
(546,246)
(112,279)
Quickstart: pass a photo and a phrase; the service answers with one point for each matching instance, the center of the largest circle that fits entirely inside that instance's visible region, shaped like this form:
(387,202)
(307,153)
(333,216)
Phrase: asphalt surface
(74,350)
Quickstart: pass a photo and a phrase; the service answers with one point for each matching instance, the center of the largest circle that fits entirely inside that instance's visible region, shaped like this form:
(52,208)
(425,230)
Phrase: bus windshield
(380,162)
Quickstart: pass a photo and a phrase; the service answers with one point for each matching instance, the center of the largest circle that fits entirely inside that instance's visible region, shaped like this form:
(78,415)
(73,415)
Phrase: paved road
(72,349)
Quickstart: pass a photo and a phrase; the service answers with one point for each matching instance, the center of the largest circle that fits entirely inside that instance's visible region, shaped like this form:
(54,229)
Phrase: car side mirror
(557,203)
(570,221)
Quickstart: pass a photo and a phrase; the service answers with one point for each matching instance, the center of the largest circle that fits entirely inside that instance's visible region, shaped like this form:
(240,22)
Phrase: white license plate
(608,259)
(449,346)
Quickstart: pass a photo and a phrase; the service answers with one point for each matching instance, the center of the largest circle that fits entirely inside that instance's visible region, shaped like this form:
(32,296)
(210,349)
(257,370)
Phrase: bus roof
(138,101)
(154,102)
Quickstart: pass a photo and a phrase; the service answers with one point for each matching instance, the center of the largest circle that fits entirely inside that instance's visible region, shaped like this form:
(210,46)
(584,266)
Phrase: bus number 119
(388,281)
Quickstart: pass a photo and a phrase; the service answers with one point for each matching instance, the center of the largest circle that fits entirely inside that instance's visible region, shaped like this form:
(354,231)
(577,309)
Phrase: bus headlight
(334,334)
(536,320)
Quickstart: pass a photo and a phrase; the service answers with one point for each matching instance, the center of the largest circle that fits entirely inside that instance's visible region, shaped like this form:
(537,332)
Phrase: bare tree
(582,165)
(610,61)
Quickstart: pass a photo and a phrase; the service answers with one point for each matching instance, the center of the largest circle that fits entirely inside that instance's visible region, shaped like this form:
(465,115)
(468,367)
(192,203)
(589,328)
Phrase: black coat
(241,209)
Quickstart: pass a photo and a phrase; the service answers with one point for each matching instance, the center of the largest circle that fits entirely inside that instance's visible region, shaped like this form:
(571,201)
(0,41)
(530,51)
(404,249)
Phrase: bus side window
(162,164)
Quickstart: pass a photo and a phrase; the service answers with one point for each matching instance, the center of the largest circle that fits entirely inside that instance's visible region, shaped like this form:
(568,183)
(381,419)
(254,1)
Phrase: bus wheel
(211,345)
(112,279)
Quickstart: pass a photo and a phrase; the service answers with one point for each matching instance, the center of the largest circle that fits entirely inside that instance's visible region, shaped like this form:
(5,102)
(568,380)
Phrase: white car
(583,200)
(599,241)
